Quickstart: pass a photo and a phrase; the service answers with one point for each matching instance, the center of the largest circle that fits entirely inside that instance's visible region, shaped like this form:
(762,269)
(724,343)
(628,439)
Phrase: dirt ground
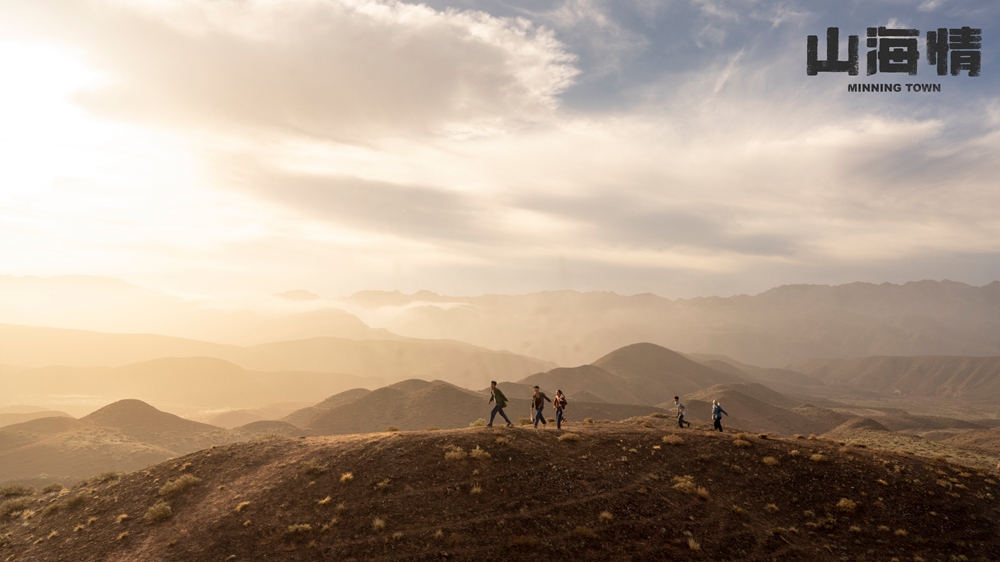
(617,491)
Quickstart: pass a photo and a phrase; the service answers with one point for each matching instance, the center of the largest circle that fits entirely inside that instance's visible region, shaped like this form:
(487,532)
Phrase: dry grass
(770,461)
(685,484)
(329,525)
(738,510)
(454,453)
(123,536)
(11,490)
(854,529)
(299,528)
(438,535)
(475,490)
(481,422)
(346,477)
(383,485)
(53,487)
(378,524)
(703,493)
(846,505)
(818,458)
(502,441)
(813,436)
(606,517)
(524,421)
(323,501)
(584,532)
(313,468)
(184,466)
(179,486)
(159,512)
(900,533)
(588,420)
(882,482)
(241,506)
(569,437)
(741,442)
(673,439)
(121,517)
(883,528)
(479,454)
(392,429)
(794,453)
(771,508)
(693,544)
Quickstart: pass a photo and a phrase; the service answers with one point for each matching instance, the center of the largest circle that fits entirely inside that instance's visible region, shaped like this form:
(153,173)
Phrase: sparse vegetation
(794,453)
(179,486)
(770,461)
(584,532)
(346,477)
(817,457)
(606,516)
(588,420)
(673,439)
(383,485)
(741,442)
(329,525)
(693,544)
(121,517)
(454,453)
(901,532)
(313,468)
(524,421)
(378,524)
(569,437)
(323,501)
(158,512)
(479,454)
(123,535)
(242,506)
(846,505)
(738,510)
(14,506)
(771,508)
(53,487)
(392,429)
(502,440)
(481,422)
(477,489)
(854,529)
(13,490)
(299,528)
(686,484)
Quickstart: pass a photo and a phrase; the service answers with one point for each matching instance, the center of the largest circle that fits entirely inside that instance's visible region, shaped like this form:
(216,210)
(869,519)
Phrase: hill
(416,405)
(302,416)
(10,419)
(765,375)
(641,373)
(965,378)
(986,440)
(749,413)
(611,494)
(754,390)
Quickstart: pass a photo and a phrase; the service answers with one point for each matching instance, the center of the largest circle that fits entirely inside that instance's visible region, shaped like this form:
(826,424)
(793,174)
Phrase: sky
(675,147)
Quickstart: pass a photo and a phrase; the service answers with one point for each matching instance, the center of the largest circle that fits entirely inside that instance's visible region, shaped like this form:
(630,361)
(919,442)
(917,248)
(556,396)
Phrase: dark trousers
(680,420)
(718,424)
(559,419)
(539,418)
(497,409)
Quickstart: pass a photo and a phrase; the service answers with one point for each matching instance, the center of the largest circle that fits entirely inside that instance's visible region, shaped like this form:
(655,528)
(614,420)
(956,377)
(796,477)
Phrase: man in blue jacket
(717,412)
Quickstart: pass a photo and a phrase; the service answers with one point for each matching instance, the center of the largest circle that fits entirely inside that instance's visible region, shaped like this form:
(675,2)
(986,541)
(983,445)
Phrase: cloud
(339,69)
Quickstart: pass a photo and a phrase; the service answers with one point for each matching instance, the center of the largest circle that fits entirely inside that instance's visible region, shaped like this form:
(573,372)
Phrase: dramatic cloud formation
(336,145)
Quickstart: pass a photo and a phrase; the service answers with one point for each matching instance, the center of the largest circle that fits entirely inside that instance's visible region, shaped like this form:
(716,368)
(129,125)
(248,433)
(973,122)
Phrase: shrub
(703,493)
(478,423)
(479,454)
(606,516)
(846,505)
(812,436)
(854,529)
(524,421)
(347,477)
(323,501)
(817,458)
(693,544)
(794,453)
(76,501)
(299,528)
(584,532)
(454,453)
(179,486)
(9,490)
(122,536)
(883,528)
(901,532)
(53,487)
(327,526)
(477,489)
(738,510)
(771,508)
(502,440)
(392,428)
(241,506)
(770,461)
(673,439)
(741,443)
(569,437)
(588,420)
(109,476)
(158,512)
(741,435)
(13,506)
(378,524)
(383,485)
(120,518)
(685,484)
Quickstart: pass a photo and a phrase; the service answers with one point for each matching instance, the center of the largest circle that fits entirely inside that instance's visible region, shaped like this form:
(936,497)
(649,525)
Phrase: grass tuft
(179,486)
(481,422)
(584,532)
(53,487)
(454,453)
(588,420)
(673,439)
(477,489)
(299,528)
(159,512)
(323,501)
(569,437)
(693,544)
(313,468)
(120,518)
(502,440)
(606,516)
(13,490)
(818,458)
(479,454)
(347,477)
(771,508)
(770,461)
(741,442)
(378,524)
(241,506)
(846,505)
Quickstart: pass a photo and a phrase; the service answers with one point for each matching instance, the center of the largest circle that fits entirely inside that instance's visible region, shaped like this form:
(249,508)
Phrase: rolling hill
(641,373)
(610,494)
(964,378)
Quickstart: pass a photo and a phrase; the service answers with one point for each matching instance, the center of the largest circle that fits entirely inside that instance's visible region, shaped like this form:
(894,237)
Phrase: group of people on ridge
(538,400)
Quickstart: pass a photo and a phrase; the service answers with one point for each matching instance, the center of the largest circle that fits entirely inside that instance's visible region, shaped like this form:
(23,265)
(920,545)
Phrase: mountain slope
(965,378)
(286,498)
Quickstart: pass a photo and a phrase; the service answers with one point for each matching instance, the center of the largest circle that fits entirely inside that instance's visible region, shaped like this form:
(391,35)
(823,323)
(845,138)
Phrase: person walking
(538,400)
(559,403)
(500,400)
(717,412)
(681,410)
